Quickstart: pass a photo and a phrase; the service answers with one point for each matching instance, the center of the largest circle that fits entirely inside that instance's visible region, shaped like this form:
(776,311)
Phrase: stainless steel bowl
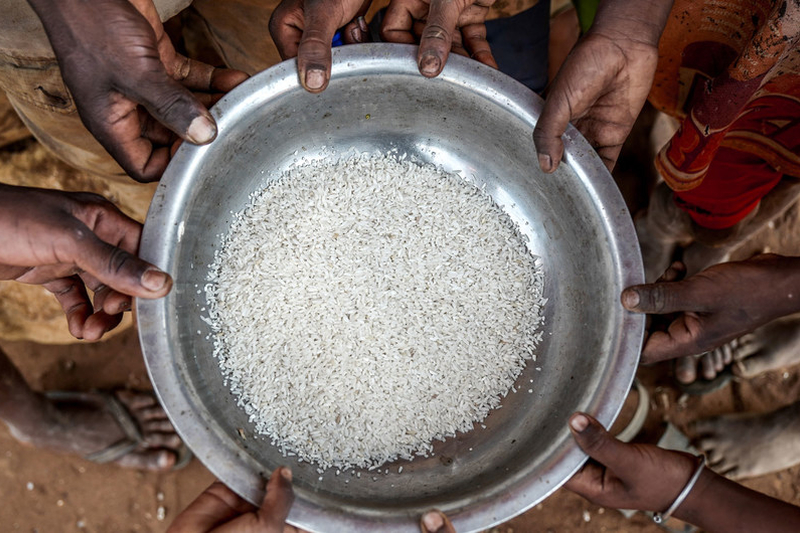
(471,118)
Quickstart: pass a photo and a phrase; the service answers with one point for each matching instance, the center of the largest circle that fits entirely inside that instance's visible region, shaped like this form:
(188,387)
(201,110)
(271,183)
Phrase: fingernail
(432,520)
(315,78)
(202,130)
(362,24)
(286,473)
(630,298)
(355,33)
(546,162)
(430,64)
(579,422)
(154,280)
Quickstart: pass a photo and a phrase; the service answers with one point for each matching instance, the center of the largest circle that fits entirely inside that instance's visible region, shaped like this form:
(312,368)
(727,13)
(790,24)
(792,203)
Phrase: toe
(686,370)
(717,359)
(136,400)
(151,413)
(156,460)
(707,366)
(163,440)
(162,426)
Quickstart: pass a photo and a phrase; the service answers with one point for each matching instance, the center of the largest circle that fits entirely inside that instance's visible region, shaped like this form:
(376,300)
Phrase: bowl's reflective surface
(473,119)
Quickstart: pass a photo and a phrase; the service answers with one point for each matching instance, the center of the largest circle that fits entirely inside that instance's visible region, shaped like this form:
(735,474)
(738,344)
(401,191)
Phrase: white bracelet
(658,518)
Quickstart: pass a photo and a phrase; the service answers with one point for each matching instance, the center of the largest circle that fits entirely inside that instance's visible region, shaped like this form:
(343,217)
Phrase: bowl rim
(236,468)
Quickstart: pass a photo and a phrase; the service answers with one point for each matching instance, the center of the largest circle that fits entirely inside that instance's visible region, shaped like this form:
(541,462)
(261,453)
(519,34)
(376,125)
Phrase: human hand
(439,26)
(716,305)
(220,510)
(603,84)
(305,29)
(68,242)
(131,88)
(621,475)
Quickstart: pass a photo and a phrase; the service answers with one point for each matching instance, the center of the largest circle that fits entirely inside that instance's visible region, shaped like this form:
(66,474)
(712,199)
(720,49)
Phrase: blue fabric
(519,44)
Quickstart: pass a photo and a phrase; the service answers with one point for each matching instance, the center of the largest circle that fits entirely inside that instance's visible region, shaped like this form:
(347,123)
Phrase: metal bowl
(471,118)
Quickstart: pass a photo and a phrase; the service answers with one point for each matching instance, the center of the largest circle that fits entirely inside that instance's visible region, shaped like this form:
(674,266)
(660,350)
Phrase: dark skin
(133,91)
(622,476)
(604,82)
(714,306)
(305,28)
(220,510)
(73,242)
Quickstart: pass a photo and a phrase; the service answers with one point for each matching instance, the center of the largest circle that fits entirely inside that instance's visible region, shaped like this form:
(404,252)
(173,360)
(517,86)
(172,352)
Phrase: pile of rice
(363,308)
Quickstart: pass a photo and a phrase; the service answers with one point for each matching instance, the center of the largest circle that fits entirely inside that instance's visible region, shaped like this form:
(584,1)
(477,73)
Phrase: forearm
(639,20)
(718,505)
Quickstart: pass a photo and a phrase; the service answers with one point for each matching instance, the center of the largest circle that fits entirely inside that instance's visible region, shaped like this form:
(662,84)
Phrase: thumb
(174,106)
(437,37)
(118,269)
(597,442)
(314,50)
(551,125)
(435,522)
(278,500)
(660,298)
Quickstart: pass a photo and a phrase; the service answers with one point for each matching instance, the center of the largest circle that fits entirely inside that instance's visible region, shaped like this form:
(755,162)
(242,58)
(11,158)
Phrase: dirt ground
(43,492)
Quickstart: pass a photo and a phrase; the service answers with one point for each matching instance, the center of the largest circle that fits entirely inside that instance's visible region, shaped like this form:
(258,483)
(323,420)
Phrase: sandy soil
(42,491)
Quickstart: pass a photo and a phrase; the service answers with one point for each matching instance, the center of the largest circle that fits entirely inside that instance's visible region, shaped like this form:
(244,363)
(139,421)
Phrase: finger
(153,130)
(588,481)
(598,443)
(683,337)
(224,80)
(71,294)
(286,27)
(675,272)
(661,298)
(278,500)
(398,21)
(436,522)
(437,38)
(112,266)
(115,302)
(474,37)
(357,31)
(100,323)
(215,506)
(314,50)
(173,105)
(123,139)
(550,126)
(198,76)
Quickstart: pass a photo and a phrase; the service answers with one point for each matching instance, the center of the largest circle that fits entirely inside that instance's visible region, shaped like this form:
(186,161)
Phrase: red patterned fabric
(730,71)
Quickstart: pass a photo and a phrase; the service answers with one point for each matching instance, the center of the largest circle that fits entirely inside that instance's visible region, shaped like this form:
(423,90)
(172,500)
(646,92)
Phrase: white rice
(362,309)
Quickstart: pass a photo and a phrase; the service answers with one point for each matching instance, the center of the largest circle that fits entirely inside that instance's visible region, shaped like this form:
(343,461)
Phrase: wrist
(695,503)
(641,21)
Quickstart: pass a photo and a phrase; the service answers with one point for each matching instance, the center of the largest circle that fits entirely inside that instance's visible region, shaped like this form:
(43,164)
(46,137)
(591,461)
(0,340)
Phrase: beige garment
(22,34)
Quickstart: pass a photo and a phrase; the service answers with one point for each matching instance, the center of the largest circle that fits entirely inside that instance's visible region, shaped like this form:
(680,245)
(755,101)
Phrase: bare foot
(661,229)
(745,446)
(772,346)
(84,425)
